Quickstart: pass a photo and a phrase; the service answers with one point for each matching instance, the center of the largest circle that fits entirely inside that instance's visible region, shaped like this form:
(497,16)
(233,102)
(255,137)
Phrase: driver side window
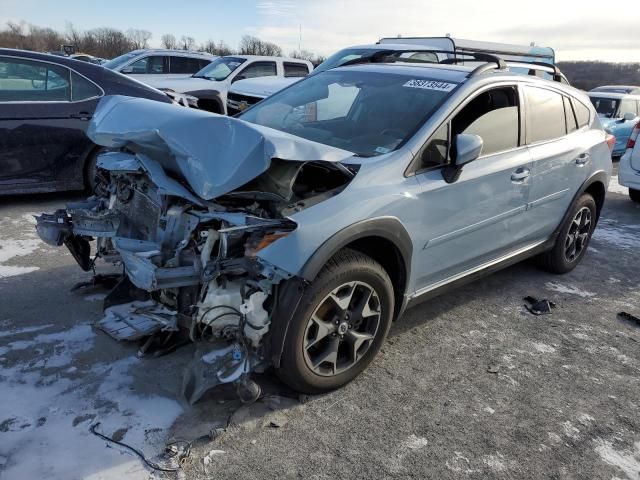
(494,115)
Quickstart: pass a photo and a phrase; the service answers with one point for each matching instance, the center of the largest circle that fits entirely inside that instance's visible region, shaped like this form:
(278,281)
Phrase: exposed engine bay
(190,268)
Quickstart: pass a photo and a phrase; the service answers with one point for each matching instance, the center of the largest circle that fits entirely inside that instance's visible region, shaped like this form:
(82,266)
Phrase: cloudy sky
(576,30)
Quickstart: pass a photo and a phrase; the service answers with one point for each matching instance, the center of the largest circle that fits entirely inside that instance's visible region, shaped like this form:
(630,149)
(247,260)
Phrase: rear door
(560,150)
(42,130)
(480,217)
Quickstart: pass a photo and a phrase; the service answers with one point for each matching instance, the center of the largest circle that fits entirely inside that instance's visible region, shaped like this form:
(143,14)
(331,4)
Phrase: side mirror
(627,117)
(468,149)
(126,70)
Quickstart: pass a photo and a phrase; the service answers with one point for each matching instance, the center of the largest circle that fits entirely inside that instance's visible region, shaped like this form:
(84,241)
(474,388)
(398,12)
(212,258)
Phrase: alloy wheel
(578,235)
(342,328)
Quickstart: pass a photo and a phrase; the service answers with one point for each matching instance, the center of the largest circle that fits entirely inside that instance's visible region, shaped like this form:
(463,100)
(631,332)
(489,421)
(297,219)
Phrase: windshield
(118,61)
(220,68)
(365,55)
(607,107)
(367,113)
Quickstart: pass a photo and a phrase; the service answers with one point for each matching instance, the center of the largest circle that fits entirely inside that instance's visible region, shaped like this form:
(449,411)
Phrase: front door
(479,217)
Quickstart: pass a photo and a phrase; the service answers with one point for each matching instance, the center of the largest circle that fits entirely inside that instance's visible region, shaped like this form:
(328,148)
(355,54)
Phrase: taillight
(611,141)
(634,136)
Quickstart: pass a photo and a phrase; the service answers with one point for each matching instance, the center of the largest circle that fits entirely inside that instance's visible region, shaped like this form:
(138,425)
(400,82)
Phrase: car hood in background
(262,86)
(213,153)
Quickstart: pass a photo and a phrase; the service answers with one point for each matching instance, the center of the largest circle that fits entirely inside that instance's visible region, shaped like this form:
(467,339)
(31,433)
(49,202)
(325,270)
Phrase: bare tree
(220,48)
(139,38)
(187,43)
(168,41)
(250,45)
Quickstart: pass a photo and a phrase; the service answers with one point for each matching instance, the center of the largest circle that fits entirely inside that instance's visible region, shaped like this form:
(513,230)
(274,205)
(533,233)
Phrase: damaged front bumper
(189,268)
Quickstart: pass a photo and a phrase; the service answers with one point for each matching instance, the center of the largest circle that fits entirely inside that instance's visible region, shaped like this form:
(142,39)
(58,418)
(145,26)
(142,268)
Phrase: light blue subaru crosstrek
(294,235)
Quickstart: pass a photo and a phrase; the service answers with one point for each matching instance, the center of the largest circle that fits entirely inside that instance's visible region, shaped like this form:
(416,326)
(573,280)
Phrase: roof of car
(391,46)
(66,61)
(613,95)
(185,53)
(263,57)
(617,88)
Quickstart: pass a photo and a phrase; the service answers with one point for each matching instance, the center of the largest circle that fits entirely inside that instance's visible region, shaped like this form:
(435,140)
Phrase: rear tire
(344,316)
(634,195)
(573,239)
(91,175)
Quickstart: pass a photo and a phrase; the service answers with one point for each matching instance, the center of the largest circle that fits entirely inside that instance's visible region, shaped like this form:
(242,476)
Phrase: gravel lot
(469,385)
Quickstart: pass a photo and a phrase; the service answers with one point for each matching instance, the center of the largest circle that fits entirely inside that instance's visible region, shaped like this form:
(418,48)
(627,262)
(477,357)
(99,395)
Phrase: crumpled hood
(213,153)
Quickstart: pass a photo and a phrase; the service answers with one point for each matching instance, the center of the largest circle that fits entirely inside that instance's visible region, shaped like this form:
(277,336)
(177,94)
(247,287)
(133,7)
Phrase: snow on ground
(10,248)
(50,395)
(570,289)
(616,234)
(615,187)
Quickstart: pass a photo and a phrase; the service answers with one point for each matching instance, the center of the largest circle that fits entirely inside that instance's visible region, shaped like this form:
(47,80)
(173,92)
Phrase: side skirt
(478,272)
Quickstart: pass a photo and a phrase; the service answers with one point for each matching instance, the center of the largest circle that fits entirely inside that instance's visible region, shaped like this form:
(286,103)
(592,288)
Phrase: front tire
(634,195)
(343,319)
(573,239)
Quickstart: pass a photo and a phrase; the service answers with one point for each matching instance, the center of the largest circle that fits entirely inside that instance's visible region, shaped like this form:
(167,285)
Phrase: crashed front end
(185,206)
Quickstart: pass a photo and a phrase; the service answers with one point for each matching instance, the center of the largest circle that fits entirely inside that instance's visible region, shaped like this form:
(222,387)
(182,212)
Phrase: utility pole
(300,38)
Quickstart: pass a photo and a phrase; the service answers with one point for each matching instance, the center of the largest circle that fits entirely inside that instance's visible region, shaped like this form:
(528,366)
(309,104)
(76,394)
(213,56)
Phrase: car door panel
(473,220)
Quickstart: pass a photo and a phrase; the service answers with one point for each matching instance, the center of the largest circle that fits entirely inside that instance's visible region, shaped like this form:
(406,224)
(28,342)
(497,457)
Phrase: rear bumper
(627,176)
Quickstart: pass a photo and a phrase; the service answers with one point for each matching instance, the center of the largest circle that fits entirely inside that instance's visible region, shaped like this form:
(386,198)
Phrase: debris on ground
(538,306)
(629,317)
(493,368)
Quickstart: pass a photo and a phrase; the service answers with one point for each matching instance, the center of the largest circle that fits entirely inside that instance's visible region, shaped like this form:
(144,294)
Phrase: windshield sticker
(430,85)
(382,150)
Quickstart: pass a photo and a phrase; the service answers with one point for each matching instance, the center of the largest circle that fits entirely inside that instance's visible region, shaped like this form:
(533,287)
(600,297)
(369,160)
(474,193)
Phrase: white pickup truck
(207,89)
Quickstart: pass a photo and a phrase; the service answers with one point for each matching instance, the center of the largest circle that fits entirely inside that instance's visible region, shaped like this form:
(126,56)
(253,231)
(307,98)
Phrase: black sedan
(46,103)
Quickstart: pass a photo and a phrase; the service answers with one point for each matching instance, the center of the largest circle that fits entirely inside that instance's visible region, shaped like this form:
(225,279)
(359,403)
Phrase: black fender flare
(290,292)
(599,176)
(208,95)
(388,228)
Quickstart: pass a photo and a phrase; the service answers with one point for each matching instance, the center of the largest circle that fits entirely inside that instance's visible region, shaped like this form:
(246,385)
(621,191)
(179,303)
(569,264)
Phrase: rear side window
(82,89)
(149,65)
(583,114)
(294,69)
(33,81)
(184,65)
(545,115)
(572,124)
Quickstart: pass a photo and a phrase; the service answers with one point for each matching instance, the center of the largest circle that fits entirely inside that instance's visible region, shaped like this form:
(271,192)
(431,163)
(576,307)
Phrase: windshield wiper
(200,76)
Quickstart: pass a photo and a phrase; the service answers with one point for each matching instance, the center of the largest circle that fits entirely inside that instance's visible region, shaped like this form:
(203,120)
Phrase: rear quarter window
(545,118)
(83,89)
(583,114)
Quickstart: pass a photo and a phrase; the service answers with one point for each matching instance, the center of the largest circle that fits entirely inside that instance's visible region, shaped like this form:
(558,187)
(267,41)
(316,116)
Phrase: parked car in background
(248,92)
(211,84)
(85,57)
(294,235)
(154,66)
(629,168)
(46,103)
(629,89)
(245,93)
(619,113)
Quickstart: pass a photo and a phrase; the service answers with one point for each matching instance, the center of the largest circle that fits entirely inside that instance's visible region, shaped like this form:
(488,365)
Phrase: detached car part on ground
(292,236)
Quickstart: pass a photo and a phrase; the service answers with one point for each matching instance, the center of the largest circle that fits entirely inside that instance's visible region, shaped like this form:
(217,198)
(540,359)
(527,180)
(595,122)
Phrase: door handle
(582,159)
(520,175)
(81,115)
